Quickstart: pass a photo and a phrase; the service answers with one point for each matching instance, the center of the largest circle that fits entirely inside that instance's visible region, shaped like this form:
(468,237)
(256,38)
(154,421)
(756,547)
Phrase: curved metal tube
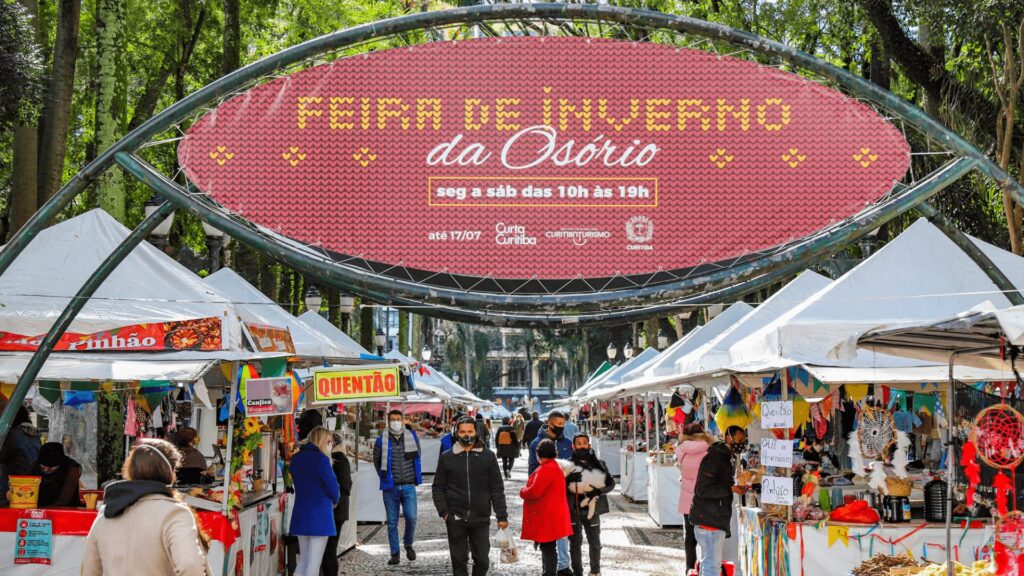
(35,364)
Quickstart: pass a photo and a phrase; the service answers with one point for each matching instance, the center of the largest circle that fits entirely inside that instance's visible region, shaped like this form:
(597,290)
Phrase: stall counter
(608,450)
(370,504)
(430,452)
(633,481)
(767,544)
(663,494)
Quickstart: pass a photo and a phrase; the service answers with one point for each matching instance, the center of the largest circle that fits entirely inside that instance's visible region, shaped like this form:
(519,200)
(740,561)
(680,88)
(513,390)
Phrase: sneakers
(410,553)
(564,572)
(395,559)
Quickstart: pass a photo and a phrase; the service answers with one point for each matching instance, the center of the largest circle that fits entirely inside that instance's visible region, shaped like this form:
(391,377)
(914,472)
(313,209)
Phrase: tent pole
(232,390)
(109,264)
(950,466)
(657,422)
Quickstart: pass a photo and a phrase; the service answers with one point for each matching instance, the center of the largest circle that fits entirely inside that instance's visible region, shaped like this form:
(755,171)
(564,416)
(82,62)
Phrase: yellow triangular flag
(841,533)
(856,391)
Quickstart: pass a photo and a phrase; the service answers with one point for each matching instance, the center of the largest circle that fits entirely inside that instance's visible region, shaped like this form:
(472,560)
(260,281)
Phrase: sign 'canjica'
(555,157)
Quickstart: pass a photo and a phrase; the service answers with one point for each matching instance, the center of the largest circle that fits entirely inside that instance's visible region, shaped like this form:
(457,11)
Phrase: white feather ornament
(899,459)
(859,467)
(877,480)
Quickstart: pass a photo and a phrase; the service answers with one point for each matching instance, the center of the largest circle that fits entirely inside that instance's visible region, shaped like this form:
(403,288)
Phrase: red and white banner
(198,334)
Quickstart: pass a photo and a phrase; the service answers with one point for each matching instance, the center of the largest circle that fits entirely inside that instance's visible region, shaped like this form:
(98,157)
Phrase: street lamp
(662,340)
(313,299)
(379,339)
(426,353)
(214,245)
(612,351)
(627,351)
(455,377)
(163,229)
(346,304)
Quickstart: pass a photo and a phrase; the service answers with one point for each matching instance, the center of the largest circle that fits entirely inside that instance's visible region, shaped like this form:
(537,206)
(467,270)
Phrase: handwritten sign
(776,453)
(776,490)
(776,415)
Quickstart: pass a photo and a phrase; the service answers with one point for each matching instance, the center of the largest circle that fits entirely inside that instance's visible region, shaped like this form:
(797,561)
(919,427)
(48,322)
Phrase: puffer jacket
(689,454)
(712,494)
(468,484)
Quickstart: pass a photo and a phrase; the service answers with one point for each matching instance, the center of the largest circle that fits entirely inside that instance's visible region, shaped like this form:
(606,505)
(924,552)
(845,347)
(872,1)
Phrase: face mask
(467,440)
(582,453)
(396,427)
(738,447)
(557,430)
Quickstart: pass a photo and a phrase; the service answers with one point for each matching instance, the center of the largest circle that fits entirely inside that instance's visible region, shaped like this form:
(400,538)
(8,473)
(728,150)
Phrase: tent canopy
(254,306)
(333,333)
(425,375)
(613,377)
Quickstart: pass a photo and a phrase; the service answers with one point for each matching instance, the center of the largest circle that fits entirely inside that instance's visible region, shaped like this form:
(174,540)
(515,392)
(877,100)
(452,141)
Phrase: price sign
(776,453)
(776,415)
(776,490)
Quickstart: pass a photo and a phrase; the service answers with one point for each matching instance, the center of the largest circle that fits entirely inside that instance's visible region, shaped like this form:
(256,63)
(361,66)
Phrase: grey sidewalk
(632,544)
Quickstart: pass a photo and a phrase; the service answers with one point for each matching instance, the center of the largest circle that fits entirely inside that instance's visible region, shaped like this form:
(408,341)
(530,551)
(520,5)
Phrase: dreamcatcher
(875,432)
(1009,547)
(997,439)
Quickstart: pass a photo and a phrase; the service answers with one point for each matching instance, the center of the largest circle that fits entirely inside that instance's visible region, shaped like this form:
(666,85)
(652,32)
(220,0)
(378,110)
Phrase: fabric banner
(266,338)
(198,334)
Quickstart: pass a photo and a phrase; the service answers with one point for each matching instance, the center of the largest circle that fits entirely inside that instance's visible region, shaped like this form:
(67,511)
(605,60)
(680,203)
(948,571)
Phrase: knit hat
(51,454)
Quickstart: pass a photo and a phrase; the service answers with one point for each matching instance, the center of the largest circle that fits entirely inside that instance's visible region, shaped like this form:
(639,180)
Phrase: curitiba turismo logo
(579,236)
(639,231)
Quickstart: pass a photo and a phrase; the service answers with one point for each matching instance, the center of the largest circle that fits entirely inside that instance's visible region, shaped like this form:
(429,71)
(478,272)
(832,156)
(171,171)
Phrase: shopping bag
(509,555)
(503,539)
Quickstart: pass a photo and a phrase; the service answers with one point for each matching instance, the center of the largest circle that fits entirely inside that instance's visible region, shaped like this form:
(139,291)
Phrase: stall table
(608,450)
(770,546)
(430,452)
(370,504)
(633,481)
(663,493)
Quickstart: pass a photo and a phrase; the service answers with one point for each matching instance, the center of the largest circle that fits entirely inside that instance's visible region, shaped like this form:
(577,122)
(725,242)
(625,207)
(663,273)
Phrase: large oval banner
(555,158)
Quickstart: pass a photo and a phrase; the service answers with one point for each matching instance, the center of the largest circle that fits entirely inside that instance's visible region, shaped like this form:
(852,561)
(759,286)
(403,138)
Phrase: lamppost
(158,237)
(455,377)
(425,354)
(214,246)
(612,352)
(379,339)
(187,256)
(627,350)
(662,340)
(313,299)
(346,304)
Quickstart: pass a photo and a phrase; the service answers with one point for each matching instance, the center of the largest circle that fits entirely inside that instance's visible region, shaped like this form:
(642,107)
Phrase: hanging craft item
(972,470)
(1009,545)
(801,410)
(998,435)
(875,431)
(733,412)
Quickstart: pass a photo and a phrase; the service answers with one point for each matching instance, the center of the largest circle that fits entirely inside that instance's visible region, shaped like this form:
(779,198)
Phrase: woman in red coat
(545,507)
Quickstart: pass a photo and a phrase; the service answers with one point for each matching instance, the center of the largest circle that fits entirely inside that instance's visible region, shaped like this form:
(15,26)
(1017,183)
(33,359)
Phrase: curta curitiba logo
(639,231)
(512,234)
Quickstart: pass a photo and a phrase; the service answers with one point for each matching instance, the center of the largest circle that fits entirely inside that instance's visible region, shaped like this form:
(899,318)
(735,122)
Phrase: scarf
(409,447)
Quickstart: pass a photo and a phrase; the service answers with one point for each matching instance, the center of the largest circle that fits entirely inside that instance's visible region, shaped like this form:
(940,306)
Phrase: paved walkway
(633,544)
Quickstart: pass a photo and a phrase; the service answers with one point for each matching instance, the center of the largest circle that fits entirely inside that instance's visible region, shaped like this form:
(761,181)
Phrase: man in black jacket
(711,512)
(532,429)
(582,522)
(467,486)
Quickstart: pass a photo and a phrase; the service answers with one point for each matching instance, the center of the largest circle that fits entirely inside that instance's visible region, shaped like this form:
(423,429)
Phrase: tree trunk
(403,331)
(111,92)
(232,58)
(931,42)
(366,327)
(57,108)
(24,175)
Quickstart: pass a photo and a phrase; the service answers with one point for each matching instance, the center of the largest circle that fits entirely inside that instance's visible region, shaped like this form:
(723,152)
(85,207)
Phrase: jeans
(592,528)
(311,552)
(689,544)
(549,558)
(562,546)
(711,543)
(404,496)
(465,539)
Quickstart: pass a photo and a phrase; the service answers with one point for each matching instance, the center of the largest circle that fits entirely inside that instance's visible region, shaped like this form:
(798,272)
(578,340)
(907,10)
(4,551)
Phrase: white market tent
(920,275)
(147,287)
(332,332)
(431,379)
(612,378)
(255,306)
(651,375)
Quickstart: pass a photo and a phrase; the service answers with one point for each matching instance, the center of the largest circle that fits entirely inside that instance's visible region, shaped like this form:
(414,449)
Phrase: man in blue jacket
(396,456)
(555,431)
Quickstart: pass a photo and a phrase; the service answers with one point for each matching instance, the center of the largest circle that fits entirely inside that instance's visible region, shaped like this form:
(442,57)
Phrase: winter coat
(343,472)
(545,507)
(143,532)
(507,450)
(397,457)
(712,494)
(316,493)
(531,430)
(520,426)
(578,512)
(468,484)
(689,454)
(563,447)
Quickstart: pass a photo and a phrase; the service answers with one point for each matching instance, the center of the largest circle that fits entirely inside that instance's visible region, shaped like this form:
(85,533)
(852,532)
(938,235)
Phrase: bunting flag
(838,533)
(298,391)
(925,402)
(274,367)
(856,392)
(244,373)
(898,397)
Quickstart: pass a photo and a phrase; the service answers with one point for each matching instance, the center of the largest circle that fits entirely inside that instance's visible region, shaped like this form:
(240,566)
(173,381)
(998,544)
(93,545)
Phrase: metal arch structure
(608,306)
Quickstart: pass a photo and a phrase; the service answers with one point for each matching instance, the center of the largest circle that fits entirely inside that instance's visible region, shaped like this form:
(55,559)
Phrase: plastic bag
(509,555)
(856,512)
(502,539)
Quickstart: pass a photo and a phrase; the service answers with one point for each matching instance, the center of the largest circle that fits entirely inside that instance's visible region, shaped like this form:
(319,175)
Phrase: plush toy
(590,480)
(811,481)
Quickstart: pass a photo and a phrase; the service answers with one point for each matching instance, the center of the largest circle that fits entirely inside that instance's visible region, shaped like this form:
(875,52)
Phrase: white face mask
(396,427)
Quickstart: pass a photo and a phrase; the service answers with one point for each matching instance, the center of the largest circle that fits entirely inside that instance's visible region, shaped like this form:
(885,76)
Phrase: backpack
(504,438)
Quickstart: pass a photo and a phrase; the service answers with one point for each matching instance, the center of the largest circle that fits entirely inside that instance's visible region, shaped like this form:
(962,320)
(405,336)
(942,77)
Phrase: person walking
(579,505)
(519,424)
(711,512)
(531,429)
(545,506)
(507,444)
(60,476)
(448,440)
(483,430)
(690,451)
(467,487)
(343,472)
(396,456)
(143,527)
(316,494)
(554,430)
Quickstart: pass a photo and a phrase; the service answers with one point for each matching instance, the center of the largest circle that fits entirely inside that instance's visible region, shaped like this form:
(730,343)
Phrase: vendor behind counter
(60,477)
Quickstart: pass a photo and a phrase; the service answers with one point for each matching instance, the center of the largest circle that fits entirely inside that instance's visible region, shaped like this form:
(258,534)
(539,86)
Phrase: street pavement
(633,545)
